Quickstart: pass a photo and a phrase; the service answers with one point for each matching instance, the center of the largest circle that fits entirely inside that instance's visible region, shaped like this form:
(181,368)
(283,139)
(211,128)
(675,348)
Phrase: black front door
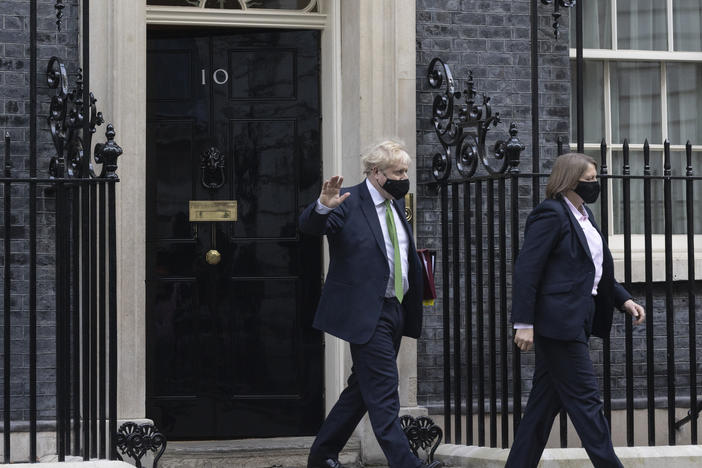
(233,115)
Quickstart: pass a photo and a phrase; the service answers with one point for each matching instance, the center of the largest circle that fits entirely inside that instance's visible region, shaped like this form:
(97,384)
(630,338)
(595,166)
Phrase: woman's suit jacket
(554,274)
(354,290)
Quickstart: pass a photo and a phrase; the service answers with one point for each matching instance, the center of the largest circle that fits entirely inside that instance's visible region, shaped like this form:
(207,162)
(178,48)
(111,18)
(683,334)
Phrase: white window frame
(616,241)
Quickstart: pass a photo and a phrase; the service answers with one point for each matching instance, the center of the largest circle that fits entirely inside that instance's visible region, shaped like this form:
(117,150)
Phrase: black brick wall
(14,119)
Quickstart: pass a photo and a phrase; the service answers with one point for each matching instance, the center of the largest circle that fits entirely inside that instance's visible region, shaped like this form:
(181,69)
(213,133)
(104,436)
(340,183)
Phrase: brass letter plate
(212,210)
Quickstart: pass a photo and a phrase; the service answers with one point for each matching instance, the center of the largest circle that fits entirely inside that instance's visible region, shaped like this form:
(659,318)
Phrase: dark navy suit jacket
(554,274)
(352,296)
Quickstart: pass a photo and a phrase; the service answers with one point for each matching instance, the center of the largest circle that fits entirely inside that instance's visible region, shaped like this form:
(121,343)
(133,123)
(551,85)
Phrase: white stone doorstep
(81,464)
(679,456)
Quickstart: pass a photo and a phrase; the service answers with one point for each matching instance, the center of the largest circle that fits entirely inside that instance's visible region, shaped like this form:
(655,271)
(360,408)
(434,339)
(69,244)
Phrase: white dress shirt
(594,243)
(402,237)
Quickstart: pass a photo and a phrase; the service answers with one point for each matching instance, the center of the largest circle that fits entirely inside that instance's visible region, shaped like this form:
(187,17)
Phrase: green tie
(390,221)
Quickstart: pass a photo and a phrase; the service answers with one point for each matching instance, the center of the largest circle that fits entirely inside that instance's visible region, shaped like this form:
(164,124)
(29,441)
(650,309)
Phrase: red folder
(427,258)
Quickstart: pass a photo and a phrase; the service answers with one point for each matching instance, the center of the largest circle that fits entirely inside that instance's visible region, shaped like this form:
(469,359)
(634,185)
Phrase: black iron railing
(481,191)
(77,251)
(476,297)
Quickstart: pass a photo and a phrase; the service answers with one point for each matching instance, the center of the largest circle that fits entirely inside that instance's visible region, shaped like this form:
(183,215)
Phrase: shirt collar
(375,195)
(579,215)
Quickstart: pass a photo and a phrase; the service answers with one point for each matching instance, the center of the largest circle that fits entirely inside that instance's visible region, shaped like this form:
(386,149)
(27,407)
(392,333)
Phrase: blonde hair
(566,173)
(383,155)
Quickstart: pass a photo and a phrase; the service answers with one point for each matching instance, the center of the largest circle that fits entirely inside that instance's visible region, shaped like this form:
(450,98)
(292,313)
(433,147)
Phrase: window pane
(282,4)
(593,100)
(636,193)
(636,101)
(236,4)
(641,25)
(687,18)
(174,2)
(223,4)
(597,25)
(684,103)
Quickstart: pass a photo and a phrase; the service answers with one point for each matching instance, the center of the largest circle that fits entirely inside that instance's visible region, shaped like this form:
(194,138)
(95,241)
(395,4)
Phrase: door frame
(118,67)
(379,84)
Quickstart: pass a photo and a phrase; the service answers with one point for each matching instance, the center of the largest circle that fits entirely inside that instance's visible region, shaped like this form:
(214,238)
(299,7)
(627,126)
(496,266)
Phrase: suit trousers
(372,387)
(563,378)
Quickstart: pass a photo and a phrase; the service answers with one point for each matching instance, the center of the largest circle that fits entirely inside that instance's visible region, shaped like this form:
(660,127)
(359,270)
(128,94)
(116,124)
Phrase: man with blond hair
(372,296)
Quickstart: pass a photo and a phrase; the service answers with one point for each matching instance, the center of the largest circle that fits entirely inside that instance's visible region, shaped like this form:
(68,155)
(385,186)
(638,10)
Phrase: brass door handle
(213,257)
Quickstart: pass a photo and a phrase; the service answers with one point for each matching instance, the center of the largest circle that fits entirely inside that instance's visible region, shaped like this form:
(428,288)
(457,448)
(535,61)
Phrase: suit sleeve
(542,231)
(621,295)
(318,224)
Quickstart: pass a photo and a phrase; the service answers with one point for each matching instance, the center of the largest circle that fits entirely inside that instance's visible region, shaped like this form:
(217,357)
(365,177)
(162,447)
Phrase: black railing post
(75,318)
(61,345)
(691,303)
(516,352)
(504,319)
(112,314)
(669,305)
(480,339)
(535,131)
(650,343)
(456,238)
(446,316)
(32,231)
(93,323)
(628,347)
(85,316)
(579,84)
(102,322)
(468,311)
(604,223)
(492,336)
(7,282)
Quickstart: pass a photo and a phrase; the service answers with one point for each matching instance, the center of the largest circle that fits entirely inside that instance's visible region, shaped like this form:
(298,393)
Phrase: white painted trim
(330,76)
(664,101)
(189,16)
(639,55)
(615,30)
(669,17)
(638,256)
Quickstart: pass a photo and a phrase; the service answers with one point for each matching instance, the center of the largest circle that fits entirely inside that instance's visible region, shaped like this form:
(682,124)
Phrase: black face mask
(396,188)
(588,191)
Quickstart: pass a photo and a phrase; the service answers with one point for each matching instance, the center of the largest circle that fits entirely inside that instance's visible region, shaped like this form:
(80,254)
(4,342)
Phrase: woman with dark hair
(564,291)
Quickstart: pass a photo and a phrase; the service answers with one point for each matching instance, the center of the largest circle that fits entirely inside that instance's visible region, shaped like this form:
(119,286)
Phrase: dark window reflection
(225,4)
(175,332)
(262,74)
(264,337)
(173,140)
(169,89)
(265,178)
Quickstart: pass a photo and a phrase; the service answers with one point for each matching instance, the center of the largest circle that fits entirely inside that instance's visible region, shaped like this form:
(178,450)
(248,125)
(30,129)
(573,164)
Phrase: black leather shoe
(434,464)
(313,462)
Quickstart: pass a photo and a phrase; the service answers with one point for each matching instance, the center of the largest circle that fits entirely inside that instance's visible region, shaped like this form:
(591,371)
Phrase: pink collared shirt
(594,243)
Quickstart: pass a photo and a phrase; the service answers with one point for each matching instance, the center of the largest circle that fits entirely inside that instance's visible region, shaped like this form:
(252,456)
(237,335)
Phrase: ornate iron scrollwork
(463,133)
(136,440)
(67,115)
(59,6)
(557,4)
(422,433)
(212,167)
